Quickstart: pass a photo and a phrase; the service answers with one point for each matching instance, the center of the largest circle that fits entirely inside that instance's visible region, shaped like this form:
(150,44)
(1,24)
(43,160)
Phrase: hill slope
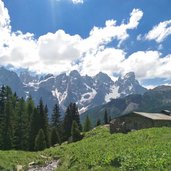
(148,149)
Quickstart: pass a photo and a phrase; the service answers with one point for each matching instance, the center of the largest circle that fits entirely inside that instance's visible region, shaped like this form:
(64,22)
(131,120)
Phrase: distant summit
(129,85)
(85,91)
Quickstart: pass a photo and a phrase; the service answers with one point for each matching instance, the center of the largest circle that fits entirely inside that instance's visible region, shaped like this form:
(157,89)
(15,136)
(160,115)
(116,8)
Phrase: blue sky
(61,35)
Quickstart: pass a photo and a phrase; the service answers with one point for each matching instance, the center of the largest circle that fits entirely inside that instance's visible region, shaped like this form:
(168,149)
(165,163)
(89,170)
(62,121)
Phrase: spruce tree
(34,128)
(43,122)
(75,132)
(30,107)
(75,115)
(56,122)
(2,113)
(71,115)
(55,139)
(106,117)
(67,123)
(56,117)
(87,124)
(22,126)
(46,127)
(8,132)
(40,142)
(98,122)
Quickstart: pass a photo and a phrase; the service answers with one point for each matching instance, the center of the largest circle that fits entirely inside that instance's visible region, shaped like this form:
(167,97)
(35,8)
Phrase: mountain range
(87,92)
(153,100)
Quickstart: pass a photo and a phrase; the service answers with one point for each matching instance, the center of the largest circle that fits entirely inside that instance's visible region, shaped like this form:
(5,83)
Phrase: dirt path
(49,167)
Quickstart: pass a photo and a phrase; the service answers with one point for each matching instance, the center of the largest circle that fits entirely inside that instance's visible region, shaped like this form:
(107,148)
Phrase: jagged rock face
(12,80)
(26,77)
(86,91)
(129,85)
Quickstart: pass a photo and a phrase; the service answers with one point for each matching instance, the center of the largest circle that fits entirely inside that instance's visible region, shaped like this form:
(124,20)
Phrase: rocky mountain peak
(129,85)
(74,73)
(129,75)
(102,77)
(27,77)
(86,91)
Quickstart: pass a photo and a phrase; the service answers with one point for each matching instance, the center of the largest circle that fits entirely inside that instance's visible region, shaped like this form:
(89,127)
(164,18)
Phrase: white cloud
(159,32)
(144,64)
(147,65)
(136,15)
(5,19)
(78,1)
(58,52)
(102,36)
(99,58)
(106,60)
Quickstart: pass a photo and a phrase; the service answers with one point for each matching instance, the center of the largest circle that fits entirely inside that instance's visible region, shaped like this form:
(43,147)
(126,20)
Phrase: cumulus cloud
(59,51)
(160,32)
(148,64)
(5,28)
(136,15)
(102,36)
(106,60)
(144,64)
(78,1)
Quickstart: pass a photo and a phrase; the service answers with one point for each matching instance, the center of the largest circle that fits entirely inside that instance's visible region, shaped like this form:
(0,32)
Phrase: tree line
(25,126)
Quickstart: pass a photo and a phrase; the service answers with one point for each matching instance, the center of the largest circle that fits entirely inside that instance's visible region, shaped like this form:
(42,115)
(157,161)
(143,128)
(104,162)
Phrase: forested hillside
(24,126)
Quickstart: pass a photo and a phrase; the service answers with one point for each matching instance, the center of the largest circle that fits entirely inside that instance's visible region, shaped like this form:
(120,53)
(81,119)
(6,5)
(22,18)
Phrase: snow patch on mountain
(112,94)
(87,92)
(88,97)
(60,96)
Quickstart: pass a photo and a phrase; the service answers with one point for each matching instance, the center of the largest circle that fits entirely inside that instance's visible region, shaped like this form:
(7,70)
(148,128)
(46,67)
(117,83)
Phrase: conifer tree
(87,124)
(43,122)
(55,139)
(2,113)
(75,115)
(30,107)
(46,127)
(40,142)
(8,133)
(75,132)
(56,117)
(71,115)
(98,122)
(34,128)
(22,126)
(106,117)
(56,121)
(67,123)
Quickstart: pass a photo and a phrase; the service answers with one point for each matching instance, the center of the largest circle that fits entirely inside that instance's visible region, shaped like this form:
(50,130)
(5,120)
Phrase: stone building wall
(134,122)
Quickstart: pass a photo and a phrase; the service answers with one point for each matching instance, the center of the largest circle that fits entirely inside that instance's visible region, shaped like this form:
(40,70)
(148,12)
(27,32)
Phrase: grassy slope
(148,149)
